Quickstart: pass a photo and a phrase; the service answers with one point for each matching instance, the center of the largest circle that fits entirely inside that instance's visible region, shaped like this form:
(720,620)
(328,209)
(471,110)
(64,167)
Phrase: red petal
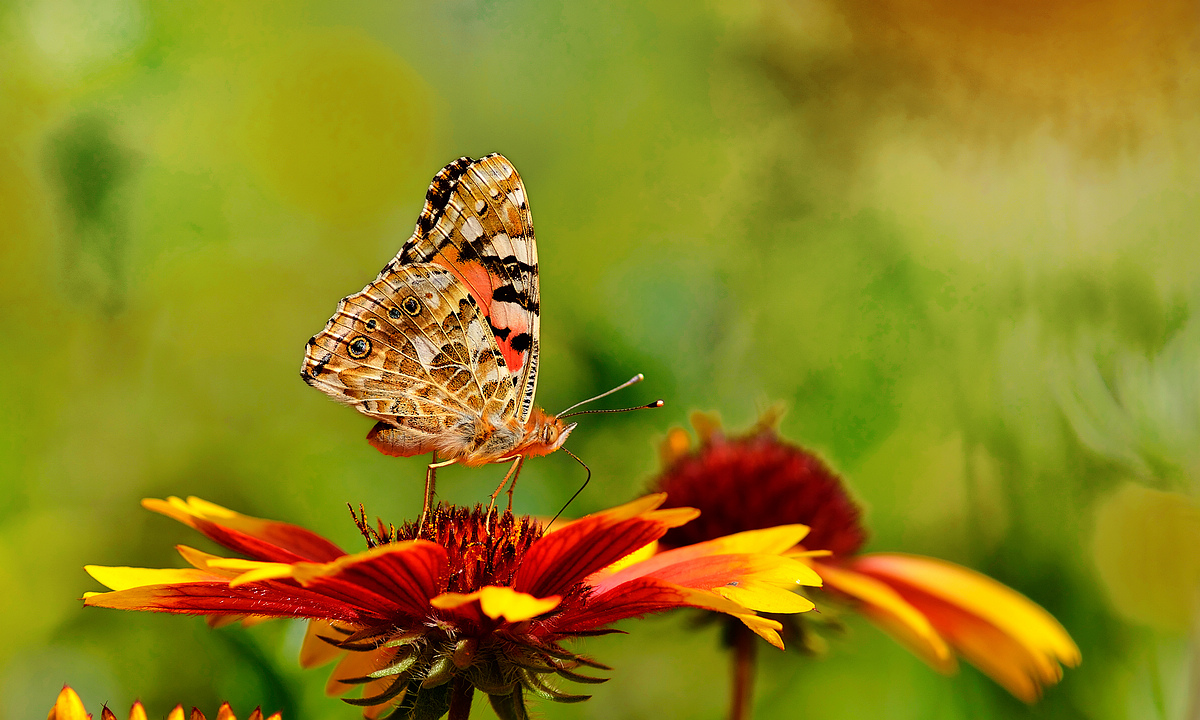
(562,558)
(404,575)
(260,539)
(631,599)
(271,599)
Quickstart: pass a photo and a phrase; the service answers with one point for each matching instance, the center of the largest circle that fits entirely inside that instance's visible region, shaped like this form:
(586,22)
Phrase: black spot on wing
(522,342)
(470,251)
(500,333)
(513,265)
(319,366)
(439,194)
(508,293)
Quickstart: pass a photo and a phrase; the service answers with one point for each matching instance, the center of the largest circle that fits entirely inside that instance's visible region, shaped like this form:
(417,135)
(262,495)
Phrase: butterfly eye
(411,305)
(359,347)
(372,324)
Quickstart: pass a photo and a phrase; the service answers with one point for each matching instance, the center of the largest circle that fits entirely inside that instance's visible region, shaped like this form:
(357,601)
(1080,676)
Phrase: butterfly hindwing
(414,350)
(476,223)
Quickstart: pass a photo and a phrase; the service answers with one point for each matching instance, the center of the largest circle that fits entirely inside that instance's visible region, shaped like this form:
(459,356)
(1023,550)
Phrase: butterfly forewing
(476,223)
(414,350)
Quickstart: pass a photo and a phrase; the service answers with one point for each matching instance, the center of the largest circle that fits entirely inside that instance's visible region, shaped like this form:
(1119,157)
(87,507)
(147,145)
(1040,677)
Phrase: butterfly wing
(413,350)
(476,223)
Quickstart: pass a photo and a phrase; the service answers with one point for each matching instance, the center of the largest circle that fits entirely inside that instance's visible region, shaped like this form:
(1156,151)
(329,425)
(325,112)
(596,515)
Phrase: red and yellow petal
(764,597)
(1017,667)
(892,613)
(1000,631)
(205,561)
(707,566)
(137,712)
(499,603)
(401,576)
(217,598)
(644,595)
(1018,616)
(766,628)
(261,539)
(767,582)
(68,706)
(358,665)
(560,559)
(124,578)
(772,540)
(315,651)
(642,554)
(736,547)
(638,597)
(250,571)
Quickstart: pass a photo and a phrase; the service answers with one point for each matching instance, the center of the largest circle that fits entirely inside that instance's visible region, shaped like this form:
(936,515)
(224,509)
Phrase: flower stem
(461,693)
(742,697)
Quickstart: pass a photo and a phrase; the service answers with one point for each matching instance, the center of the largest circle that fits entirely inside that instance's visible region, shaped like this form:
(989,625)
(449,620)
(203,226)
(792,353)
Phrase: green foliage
(975,297)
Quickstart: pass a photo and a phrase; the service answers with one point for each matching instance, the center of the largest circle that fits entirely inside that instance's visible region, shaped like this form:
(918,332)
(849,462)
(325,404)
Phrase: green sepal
(534,683)
(576,677)
(440,672)
(431,703)
(510,706)
(392,692)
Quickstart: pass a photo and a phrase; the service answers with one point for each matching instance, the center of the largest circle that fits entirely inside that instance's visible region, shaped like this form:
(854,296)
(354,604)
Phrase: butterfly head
(544,433)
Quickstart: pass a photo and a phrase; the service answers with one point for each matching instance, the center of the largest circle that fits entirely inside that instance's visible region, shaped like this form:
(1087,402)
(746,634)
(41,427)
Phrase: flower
(935,608)
(68,706)
(470,600)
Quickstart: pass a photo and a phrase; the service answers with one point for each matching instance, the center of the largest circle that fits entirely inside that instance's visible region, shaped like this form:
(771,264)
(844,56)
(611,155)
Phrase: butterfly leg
(513,485)
(511,474)
(430,481)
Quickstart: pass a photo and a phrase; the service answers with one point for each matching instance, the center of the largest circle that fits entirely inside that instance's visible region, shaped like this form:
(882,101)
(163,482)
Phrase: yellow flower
(68,706)
(937,609)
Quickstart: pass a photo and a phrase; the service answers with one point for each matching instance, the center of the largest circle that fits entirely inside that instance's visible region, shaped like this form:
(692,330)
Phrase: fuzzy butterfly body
(442,348)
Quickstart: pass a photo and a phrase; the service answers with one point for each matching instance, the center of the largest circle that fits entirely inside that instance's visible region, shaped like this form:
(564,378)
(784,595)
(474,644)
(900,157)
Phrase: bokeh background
(958,240)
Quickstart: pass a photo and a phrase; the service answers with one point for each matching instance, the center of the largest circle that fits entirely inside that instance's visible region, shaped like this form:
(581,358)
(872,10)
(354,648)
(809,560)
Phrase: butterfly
(441,349)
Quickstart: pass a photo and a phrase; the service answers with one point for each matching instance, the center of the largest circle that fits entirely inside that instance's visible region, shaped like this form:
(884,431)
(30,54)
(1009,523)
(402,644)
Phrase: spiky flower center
(420,656)
(760,481)
(484,547)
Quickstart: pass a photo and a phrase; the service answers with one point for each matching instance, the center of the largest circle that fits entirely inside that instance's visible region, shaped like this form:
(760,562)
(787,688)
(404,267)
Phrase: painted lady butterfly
(442,348)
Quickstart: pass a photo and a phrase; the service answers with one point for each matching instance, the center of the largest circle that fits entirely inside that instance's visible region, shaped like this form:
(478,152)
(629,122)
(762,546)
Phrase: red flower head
(755,481)
(937,609)
(475,600)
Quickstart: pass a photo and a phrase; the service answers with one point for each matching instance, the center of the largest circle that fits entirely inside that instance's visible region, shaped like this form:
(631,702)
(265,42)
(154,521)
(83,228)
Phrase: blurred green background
(957,239)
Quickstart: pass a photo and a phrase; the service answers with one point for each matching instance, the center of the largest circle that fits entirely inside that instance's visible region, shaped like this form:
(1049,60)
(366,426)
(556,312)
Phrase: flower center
(483,547)
(760,481)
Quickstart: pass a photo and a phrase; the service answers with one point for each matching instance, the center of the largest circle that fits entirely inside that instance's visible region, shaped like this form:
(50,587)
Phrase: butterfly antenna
(647,406)
(581,487)
(631,381)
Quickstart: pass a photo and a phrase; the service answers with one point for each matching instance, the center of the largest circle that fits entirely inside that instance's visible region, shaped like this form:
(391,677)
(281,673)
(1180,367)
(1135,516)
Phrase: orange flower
(471,600)
(68,706)
(935,608)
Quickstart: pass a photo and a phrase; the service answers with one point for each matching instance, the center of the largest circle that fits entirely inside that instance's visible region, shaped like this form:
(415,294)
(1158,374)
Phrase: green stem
(741,704)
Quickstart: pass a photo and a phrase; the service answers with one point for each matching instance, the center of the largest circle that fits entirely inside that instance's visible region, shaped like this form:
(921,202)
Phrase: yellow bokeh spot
(339,124)
(1147,549)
